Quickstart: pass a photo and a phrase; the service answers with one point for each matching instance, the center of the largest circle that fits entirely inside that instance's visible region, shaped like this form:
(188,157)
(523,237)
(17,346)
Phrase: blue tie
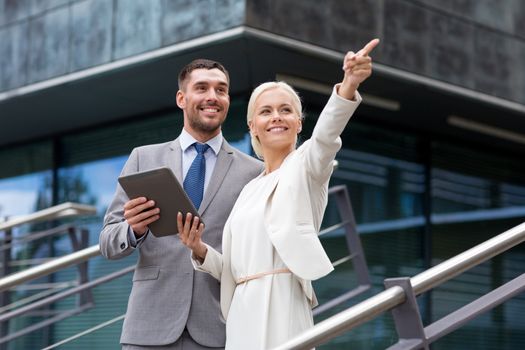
(194,181)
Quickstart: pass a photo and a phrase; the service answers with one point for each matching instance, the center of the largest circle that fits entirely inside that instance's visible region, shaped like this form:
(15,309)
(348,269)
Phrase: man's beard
(196,123)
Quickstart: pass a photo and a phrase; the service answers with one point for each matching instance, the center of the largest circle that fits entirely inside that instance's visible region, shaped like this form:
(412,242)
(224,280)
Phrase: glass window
(476,195)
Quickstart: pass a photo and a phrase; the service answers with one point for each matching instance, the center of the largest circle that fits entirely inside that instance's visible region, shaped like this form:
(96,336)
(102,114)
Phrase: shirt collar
(186,140)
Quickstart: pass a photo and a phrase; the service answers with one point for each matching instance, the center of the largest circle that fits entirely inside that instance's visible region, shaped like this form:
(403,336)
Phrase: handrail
(452,267)
(395,296)
(66,293)
(35,235)
(49,267)
(58,211)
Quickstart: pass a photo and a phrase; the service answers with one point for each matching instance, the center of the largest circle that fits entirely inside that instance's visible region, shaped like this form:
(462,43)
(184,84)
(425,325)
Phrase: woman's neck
(274,159)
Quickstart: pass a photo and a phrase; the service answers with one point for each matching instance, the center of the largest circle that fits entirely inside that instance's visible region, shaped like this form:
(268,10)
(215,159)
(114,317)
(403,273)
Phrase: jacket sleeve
(219,266)
(114,238)
(321,148)
(212,263)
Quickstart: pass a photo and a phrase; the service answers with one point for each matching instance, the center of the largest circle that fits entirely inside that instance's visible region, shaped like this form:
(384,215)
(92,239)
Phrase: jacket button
(122,245)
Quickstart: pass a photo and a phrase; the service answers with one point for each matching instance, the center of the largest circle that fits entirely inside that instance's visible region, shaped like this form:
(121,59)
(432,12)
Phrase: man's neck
(202,137)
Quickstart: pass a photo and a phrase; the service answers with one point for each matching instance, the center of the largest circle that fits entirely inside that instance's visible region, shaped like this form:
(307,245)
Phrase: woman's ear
(300,126)
(252,129)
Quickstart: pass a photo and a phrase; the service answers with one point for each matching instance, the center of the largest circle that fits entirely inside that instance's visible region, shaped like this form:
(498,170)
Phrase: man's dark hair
(200,63)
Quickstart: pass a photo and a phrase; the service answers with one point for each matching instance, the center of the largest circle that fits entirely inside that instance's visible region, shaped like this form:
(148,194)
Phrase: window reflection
(22,194)
(91,183)
(386,192)
(458,197)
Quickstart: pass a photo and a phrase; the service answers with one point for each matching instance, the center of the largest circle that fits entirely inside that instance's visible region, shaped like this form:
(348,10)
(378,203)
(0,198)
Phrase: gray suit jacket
(167,294)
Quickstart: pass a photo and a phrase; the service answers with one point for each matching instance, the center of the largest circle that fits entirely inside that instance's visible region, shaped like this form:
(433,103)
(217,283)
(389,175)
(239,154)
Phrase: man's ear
(181,102)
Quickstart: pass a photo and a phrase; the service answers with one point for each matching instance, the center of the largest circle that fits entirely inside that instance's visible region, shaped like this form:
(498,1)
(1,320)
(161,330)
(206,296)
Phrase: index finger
(369,47)
(134,202)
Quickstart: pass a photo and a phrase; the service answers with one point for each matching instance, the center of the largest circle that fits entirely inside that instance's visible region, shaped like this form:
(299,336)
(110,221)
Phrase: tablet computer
(162,186)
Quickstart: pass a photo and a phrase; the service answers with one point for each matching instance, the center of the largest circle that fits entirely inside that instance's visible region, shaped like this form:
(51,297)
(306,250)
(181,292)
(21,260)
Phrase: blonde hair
(296,105)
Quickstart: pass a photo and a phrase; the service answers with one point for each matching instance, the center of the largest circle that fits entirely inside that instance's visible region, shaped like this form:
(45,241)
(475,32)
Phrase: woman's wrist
(200,252)
(347,90)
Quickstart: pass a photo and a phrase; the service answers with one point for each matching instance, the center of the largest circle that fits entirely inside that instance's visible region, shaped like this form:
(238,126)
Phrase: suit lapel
(224,160)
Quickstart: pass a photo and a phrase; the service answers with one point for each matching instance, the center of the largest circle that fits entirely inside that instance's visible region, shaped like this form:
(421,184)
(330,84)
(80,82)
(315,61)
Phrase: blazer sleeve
(114,238)
(212,263)
(219,266)
(321,148)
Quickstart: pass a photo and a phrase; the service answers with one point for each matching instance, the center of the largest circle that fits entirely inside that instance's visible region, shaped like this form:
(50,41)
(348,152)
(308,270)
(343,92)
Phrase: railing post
(86,296)
(355,249)
(407,318)
(5,295)
(354,243)
(426,242)
(79,243)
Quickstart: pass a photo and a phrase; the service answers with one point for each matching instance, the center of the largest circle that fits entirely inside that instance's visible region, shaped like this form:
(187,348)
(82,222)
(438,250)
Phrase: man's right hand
(139,213)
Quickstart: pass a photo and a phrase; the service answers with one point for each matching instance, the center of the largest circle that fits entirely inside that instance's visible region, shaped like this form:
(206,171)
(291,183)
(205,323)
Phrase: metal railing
(60,211)
(56,297)
(353,244)
(399,297)
(347,224)
(78,241)
(49,267)
(343,204)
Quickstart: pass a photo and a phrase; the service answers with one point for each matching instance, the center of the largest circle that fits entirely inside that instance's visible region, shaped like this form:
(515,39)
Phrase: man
(171,305)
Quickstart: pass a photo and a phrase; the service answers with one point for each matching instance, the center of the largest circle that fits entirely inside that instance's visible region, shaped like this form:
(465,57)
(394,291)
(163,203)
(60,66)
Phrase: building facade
(433,159)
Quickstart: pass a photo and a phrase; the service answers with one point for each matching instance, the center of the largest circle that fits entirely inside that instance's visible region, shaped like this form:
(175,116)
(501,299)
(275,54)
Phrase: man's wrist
(139,235)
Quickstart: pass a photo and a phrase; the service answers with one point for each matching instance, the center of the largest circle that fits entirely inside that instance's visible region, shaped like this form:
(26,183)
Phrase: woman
(271,251)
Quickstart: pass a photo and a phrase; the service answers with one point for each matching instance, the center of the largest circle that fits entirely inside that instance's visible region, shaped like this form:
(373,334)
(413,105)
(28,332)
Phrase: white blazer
(295,208)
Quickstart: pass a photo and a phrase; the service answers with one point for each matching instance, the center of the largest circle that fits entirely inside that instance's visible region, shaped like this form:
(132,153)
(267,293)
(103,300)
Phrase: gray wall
(478,44)
(42,39)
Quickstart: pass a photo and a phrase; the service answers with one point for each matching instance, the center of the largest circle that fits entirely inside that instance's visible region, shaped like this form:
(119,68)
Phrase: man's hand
(190,233)
(139,213)
(357,68)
